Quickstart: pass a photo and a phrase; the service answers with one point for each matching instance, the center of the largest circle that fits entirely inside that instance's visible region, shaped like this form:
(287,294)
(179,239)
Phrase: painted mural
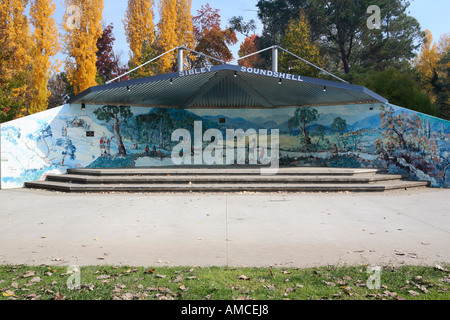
(354,136)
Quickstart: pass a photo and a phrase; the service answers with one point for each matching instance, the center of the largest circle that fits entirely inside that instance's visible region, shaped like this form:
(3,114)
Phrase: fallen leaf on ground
(29,274)
(179,278)
(59,296)
(8,293)
(149,271)
(243,278)
(35,280)
(413,293)
(183,288)
(440,268)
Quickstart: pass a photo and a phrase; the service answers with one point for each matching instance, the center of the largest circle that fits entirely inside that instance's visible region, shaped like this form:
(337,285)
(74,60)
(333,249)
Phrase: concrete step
(222,170)
(225,187)
(209,179)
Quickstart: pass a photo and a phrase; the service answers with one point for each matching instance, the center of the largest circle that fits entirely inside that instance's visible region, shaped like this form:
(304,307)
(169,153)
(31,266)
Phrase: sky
(431,14)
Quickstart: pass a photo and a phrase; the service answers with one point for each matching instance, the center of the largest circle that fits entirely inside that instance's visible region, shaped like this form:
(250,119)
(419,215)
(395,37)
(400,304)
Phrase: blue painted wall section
(354,136)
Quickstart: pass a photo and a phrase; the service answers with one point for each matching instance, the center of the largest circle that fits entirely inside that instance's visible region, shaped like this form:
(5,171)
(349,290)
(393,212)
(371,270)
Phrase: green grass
(194,283)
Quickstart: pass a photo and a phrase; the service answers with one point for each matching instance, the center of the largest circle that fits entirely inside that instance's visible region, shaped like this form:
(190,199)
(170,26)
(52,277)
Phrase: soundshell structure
(318,123)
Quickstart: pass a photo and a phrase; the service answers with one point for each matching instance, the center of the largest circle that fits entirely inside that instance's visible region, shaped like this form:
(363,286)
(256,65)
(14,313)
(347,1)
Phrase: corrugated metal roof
(227,86)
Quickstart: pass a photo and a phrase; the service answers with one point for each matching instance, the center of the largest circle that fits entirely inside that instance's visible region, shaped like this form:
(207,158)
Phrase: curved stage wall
(354,136)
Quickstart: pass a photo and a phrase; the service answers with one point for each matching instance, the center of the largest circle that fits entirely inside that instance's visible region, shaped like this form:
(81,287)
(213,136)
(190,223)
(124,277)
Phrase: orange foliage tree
(249,46)
(210,37)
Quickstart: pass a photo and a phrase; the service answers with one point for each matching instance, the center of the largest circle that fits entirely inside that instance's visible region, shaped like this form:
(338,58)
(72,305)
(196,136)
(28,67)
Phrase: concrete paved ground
(302,230)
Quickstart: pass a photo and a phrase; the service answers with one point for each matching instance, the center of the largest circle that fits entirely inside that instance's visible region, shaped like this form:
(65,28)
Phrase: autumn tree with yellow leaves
(185,29)
(45,46)
(140,32)
(427,61)
(15,59)
(83,27)
(167,34)
(297,39)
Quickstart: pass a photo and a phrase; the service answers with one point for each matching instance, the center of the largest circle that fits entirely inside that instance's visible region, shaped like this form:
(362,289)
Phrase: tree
(15,66)
(59,89)
(302,117)
(46,46)
(108,64)
(167,34)
(339,125)
(13,97)
(441,86)
(426,63)
(432,64)
(297,39)
(16,36)
(185,27)
(249,46)
(81,43)
(237,24)
(341,28)
(115,116)
(400,89)
(140,32)
(210,37)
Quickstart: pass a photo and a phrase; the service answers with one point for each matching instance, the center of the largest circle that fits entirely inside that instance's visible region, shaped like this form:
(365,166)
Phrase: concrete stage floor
(297,230)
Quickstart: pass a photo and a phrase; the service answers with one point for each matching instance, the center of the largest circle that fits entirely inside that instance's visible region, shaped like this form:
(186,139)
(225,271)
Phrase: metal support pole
(180,60)
(275,58)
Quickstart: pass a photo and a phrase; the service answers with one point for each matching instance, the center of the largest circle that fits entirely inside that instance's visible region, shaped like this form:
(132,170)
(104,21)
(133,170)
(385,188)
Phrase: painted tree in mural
(409,138)
(116,117)
(399,129)
(339,126)
(210,37)
(108,63)
(83,28)
(140,33)
(297,39)
(45,46)
(16,61)
(158,124)
(300,120)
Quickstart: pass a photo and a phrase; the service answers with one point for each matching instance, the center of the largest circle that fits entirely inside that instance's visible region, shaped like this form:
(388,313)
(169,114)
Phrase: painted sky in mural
(335,136)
